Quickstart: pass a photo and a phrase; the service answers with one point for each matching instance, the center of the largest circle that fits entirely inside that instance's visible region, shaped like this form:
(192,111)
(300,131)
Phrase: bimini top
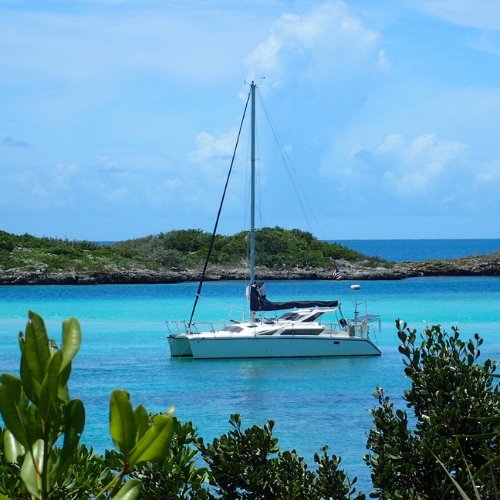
(258,301)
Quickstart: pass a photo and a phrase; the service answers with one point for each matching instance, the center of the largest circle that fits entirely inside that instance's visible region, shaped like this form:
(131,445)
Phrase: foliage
(248,464)
(277,248)
(30,253)
(455,406)
(138,437)
(37,409)
(177,474)
(38,413)
(84,478)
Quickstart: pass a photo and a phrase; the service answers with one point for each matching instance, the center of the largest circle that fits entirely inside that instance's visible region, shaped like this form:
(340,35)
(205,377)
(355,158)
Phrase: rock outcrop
(477,265)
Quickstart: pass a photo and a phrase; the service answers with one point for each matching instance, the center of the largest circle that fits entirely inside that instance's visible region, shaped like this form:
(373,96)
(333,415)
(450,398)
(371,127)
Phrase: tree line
(277,249)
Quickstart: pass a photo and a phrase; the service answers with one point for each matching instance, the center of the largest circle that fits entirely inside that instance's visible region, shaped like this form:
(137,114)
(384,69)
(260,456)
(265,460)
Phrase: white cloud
(313,44)
(102,45)
(212,149)
(482,14)
(62,176)
(405,167)
(416,166)
(489,172)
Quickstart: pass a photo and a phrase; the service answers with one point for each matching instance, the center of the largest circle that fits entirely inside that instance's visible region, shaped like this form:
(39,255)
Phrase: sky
(376,119)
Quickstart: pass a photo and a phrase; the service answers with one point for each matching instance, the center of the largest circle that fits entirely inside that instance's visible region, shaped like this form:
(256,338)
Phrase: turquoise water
(313,401)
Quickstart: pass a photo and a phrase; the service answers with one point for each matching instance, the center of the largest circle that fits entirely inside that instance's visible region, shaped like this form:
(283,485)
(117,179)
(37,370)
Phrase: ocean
(312,401)
(413,250)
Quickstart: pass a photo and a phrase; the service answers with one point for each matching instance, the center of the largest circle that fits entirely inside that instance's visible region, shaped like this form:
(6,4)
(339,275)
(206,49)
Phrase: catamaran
(301,331)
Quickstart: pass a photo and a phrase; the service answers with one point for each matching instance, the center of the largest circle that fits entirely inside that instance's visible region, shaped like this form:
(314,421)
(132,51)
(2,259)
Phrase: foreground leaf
(10,395)
(14,450)
(155,443)
(71,340)
(74,425)
(129,491)
(36,348)
(32,468)
(122,421)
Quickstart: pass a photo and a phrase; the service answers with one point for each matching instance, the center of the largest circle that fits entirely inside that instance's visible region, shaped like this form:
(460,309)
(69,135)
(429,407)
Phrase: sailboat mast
(252,192)
(252,180)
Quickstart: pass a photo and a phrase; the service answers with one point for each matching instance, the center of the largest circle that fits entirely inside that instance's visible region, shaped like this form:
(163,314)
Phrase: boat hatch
(234,329)
(305,316)
(290,316)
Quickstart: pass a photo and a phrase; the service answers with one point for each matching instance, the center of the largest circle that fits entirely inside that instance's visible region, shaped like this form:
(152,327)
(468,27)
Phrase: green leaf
(71,340)
(453,480)
(30,385)
(129,491)
(36,348)
(31,469)
(73,428)
(14,450)
(155,442)
(10,396)
(49,387)
(122,421)
(141,421)
(63,391)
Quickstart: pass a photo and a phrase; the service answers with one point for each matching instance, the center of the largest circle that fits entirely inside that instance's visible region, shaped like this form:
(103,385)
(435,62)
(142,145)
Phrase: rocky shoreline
(476,265)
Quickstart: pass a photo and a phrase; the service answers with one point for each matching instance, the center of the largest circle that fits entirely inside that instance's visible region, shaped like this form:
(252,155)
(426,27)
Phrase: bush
(248,464)
(450,432)
(38,413)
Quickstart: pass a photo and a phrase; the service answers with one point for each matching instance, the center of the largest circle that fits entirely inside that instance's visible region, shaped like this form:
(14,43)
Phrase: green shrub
(277,248)
(248,464)
(454,403)
(38,413)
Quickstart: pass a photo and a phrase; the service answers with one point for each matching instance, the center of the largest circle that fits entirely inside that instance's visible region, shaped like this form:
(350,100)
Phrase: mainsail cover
(258,301)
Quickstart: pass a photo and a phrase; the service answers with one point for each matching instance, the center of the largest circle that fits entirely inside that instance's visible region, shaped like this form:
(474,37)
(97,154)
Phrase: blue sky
(118,118)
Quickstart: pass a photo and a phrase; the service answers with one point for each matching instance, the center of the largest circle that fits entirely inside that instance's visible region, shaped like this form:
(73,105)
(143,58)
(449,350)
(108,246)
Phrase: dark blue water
(413,250)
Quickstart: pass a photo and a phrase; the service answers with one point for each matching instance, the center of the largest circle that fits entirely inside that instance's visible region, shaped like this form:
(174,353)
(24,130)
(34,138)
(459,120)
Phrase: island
(179,255)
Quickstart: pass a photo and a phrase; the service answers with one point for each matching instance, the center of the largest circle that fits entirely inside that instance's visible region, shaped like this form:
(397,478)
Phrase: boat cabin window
(234,329)
(302,331)
(314,317)
(268,332)
(290,316)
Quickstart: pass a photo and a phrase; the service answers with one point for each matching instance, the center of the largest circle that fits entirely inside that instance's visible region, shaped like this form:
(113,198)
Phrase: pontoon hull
(180,346)
(202,347)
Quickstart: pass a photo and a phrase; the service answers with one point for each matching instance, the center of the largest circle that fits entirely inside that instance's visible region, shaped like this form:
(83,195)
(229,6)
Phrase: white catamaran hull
(201,347)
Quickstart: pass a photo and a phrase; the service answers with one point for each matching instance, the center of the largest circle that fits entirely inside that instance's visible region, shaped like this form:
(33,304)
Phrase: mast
(252,192)
(212,240)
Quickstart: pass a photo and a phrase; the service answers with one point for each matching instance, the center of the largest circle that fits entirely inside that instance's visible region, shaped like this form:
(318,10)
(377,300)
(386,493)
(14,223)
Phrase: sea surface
(312,401)
(414,250)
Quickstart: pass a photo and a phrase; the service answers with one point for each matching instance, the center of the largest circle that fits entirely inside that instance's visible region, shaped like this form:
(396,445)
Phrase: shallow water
(313,401)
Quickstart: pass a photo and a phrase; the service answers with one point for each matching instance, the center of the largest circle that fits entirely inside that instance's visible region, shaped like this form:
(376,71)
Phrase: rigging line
(212,240)
(297,186)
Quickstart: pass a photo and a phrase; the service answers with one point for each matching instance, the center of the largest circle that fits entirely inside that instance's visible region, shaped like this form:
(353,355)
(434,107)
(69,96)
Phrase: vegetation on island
(278,249)
(444,445)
